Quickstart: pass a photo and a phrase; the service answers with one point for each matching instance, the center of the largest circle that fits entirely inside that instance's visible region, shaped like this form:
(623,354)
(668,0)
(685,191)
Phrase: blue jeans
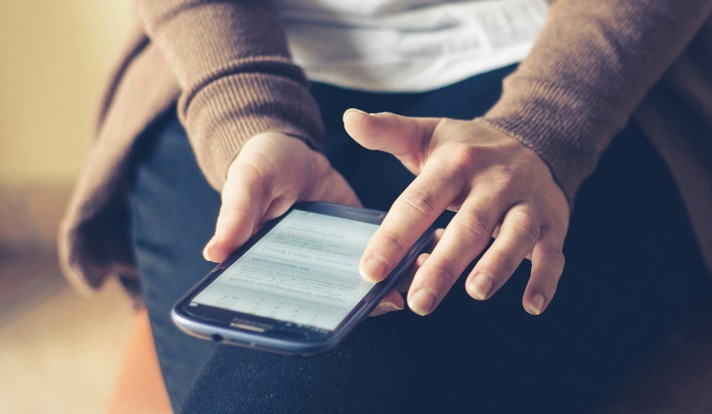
(633,273)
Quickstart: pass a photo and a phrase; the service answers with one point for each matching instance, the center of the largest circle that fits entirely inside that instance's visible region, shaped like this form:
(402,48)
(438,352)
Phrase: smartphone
(294,288)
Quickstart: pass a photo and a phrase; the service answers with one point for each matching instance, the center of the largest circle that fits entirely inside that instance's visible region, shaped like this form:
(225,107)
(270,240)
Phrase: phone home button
(247,327)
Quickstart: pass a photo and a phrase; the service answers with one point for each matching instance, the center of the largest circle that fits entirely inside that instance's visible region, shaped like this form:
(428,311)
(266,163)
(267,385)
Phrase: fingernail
(205,250)
(353,111)
(537,303)
(481,286)
(389,307)
(422,302)
(208,246)
(374,269)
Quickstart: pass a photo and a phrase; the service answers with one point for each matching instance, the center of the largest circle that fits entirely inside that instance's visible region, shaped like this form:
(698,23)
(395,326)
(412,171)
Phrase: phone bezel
(279,336)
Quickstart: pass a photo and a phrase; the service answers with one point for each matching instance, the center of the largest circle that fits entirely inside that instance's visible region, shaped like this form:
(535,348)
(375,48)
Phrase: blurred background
(59,352)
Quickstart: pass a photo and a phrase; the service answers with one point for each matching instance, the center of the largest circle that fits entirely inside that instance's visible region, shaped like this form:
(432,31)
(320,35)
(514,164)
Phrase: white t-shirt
(408,45)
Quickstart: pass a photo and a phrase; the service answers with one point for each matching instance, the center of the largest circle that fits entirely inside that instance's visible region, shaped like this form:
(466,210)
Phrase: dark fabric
(174,212)
(633,272)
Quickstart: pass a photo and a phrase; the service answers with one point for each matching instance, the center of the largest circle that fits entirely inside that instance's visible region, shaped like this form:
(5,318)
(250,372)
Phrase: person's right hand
(499,188)
(271,172)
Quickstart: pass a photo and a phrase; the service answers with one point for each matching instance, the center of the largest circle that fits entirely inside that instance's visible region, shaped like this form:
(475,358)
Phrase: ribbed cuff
(566,128)
(227,110)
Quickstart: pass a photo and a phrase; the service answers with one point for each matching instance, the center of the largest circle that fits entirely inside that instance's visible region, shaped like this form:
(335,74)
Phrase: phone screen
(303,271)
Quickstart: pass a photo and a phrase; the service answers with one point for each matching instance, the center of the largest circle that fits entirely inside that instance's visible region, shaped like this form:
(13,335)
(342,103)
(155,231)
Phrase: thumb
(399,135)
(243,205)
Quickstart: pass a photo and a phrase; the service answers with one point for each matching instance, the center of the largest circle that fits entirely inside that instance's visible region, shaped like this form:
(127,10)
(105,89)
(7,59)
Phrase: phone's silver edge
(253,341)
(247,339)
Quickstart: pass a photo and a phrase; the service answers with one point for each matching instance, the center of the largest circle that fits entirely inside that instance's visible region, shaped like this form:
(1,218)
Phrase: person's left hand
(499,188)
(271,173)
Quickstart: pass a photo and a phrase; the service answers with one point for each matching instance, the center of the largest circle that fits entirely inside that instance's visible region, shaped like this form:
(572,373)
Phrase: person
(508,166)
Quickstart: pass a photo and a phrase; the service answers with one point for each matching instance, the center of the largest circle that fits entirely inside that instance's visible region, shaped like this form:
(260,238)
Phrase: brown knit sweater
(228,65)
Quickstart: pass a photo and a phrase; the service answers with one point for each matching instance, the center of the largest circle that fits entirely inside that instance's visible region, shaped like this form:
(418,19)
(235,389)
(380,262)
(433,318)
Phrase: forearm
(235,73)
(591,66)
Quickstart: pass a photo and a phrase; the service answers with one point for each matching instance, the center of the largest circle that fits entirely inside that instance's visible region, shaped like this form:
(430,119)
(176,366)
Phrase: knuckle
(465,156)
(505,178)
(474,226)
(444,272)
(551,251)
(504,262)
(554,261)
(420,202)
(250,174)
(557,256)
(528,226)
(249,180)
(391,241)
(446,124)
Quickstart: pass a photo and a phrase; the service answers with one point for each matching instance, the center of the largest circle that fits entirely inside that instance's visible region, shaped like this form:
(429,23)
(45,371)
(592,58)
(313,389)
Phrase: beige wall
(53,59)
(54,56)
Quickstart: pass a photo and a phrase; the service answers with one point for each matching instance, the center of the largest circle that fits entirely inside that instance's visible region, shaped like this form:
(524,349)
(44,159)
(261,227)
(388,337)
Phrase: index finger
(411,214)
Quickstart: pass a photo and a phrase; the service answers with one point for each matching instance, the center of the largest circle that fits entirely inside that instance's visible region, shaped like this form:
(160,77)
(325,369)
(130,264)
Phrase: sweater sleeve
(236,77)
(591,66)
